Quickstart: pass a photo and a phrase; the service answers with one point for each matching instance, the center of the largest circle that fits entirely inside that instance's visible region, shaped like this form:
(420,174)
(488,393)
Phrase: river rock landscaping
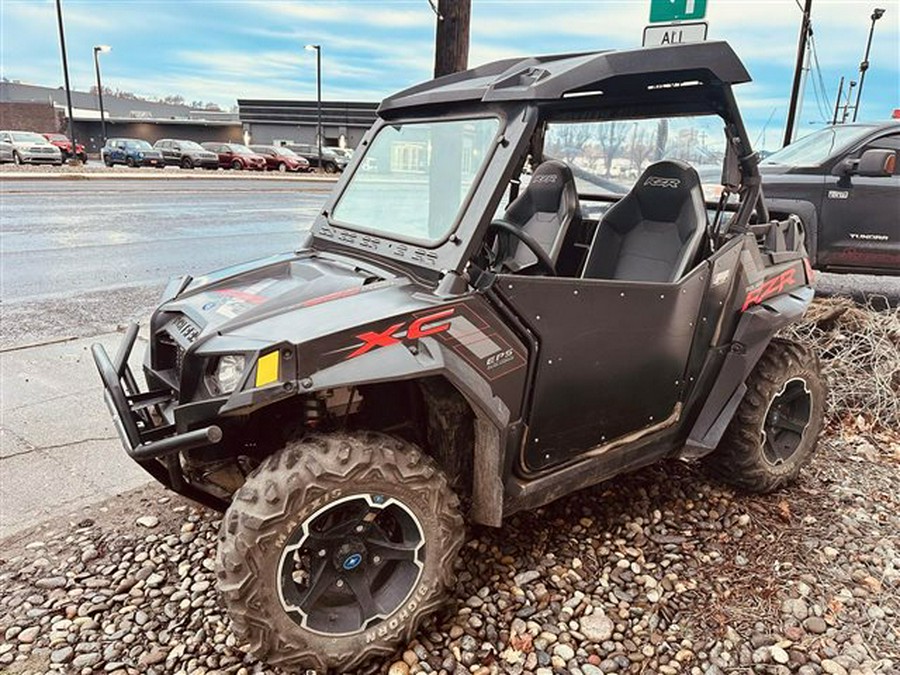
(660,572)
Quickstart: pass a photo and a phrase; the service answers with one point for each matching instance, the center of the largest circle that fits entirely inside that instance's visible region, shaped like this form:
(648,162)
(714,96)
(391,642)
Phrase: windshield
(814,149)
(607,157)
(286,152)
(28,137)
(138,145)
(414,178)
(241,149)
(190,145)
(56,137)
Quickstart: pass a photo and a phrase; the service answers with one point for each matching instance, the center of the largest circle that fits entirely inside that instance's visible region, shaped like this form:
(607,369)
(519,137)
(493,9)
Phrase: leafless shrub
(859,348)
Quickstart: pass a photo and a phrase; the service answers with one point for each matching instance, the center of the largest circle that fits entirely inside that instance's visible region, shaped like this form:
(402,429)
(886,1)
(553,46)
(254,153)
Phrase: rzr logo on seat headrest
(545,178)
(659,181)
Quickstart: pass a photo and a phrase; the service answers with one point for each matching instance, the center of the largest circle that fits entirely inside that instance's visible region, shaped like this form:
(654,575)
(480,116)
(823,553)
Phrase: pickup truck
(844,183)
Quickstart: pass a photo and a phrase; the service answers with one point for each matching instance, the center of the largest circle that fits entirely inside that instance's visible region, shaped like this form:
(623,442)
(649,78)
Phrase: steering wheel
(530,243)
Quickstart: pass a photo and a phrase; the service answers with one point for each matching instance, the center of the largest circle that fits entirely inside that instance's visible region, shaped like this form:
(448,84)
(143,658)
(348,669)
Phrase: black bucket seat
(546,209)
(655,231)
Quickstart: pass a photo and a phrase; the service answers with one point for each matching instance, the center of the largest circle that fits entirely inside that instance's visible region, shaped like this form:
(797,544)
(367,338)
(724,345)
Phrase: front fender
(427,358)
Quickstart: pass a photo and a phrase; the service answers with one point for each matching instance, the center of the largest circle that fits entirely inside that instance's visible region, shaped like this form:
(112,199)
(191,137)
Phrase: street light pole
(318,50)
(864,66)
(97,50)
(65,65)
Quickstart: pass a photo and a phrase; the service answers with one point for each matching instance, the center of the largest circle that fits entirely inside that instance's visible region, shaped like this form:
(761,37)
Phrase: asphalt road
(80,256)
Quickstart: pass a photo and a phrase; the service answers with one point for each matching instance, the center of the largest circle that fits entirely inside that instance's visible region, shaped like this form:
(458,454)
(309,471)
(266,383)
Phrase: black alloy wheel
(351,564)
(786,421)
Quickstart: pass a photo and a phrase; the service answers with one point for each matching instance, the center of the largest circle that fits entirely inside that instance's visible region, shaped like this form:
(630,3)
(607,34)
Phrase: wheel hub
(351,564)
(789,414)
(350,556)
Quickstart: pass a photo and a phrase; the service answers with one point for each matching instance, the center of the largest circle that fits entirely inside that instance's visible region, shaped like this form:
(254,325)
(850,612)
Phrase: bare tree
(611,138)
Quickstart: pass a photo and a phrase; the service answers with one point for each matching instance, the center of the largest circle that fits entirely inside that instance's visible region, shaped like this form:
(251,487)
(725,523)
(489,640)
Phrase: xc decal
(421,327)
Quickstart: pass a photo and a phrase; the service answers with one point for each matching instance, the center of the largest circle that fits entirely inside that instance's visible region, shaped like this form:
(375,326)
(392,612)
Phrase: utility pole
(798,72)
(451,44)
(864,65)
(837,101)
(65,65)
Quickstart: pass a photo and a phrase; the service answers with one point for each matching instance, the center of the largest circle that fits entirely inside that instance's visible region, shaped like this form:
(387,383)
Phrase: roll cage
(525,94)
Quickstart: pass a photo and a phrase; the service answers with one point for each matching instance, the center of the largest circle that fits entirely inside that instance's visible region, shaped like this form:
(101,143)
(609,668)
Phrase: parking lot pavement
(58,448)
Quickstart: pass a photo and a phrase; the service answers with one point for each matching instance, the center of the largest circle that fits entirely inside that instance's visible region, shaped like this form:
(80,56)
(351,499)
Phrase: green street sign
(664,11)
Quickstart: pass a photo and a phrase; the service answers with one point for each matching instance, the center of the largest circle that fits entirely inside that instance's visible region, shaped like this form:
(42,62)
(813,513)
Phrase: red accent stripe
(242,295)
(346,293)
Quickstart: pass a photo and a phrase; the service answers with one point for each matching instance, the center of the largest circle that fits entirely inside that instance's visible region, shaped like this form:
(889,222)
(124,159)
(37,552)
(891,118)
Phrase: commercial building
(277,122)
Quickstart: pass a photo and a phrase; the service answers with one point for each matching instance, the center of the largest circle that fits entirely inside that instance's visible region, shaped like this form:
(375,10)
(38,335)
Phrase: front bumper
(143,430)
(41,157)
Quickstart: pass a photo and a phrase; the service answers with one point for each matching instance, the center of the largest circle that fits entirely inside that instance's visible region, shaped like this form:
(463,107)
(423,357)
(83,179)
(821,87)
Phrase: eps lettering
(421,327)
(769,287)
(498,359)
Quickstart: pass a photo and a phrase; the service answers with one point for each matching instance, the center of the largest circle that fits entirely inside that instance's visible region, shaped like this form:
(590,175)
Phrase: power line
(819,89)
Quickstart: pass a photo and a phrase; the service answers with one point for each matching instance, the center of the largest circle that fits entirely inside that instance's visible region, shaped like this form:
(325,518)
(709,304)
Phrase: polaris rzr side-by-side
(518,289)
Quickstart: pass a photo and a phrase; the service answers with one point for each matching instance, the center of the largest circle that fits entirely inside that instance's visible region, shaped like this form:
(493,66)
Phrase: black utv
(517,290)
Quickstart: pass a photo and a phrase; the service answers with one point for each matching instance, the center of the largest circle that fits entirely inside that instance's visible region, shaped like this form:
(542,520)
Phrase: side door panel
(860,217)
(611,362)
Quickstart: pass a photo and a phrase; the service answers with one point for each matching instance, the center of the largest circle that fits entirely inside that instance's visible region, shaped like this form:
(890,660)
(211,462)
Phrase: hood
(289,298)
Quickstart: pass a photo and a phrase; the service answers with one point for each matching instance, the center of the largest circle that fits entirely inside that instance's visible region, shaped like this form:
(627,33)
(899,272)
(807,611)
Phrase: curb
(17,175)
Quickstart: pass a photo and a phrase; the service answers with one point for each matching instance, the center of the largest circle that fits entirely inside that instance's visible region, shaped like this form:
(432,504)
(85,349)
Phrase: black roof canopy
(549,78)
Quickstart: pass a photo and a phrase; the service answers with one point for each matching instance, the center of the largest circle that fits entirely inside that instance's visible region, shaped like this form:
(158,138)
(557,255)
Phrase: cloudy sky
(221,50)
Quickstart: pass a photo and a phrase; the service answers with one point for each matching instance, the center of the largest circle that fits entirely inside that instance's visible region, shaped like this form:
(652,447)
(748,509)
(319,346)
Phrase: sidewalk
(58,448)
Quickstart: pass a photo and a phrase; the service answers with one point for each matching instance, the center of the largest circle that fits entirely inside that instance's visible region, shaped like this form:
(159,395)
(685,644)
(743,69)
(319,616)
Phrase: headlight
(227,374)
(140,155)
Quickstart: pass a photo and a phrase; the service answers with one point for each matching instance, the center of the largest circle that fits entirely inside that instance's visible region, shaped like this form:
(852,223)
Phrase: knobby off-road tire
(297,491)
(776,427)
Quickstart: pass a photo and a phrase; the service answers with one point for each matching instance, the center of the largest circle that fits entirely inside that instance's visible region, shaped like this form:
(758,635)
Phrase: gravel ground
(659,572)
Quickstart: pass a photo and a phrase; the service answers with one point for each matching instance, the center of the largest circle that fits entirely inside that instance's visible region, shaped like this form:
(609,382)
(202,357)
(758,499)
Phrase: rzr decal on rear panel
(785,281)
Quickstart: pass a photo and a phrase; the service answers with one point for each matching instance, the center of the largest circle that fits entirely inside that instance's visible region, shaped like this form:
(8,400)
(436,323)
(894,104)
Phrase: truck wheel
(335,549)
(776,427)
(17,159)
(186,163)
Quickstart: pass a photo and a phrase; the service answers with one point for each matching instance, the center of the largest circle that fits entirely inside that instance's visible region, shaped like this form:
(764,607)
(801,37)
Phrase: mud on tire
(302,491)
(776,427)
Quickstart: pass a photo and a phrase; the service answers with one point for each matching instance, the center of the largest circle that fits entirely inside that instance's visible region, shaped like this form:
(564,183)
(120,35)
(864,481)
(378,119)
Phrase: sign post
(675,22)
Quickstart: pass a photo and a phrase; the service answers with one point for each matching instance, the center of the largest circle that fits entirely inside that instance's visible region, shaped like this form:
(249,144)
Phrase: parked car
(131,152)
(331,162)
(346,153)
(62,142)
(415,361)
(844,184)
(186,154)
(282,159)
(27,147)
(236,156)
